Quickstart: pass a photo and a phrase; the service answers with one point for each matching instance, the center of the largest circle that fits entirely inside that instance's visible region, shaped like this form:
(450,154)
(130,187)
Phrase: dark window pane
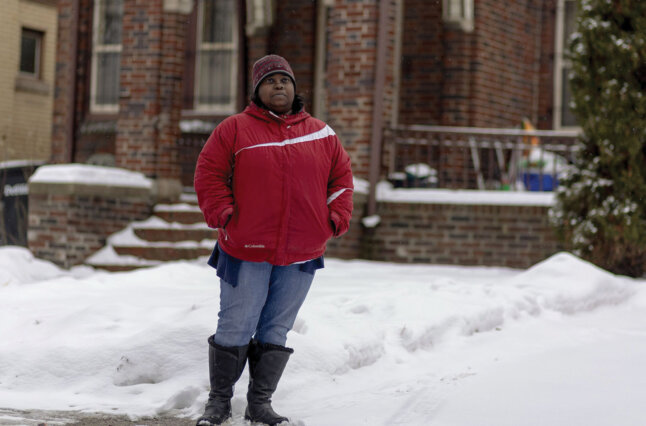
(215,78)
(107,78)
(217,21)
(570,21)
(29,51)
(567,117)
(111,21)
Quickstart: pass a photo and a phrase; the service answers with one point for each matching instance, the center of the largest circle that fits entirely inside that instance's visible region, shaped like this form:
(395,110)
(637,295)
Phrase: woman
(277,184)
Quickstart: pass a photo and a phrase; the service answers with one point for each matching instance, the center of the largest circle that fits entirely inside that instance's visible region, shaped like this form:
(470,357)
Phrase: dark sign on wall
(14,201)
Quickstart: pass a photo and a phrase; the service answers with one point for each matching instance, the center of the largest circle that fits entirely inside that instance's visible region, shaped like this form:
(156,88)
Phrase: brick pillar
(352,56)
(64,81)
(456,102)
(456,87)
(68,221)
(153,42)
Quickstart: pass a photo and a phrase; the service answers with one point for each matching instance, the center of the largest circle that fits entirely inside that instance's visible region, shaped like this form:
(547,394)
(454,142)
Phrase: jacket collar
(266,115)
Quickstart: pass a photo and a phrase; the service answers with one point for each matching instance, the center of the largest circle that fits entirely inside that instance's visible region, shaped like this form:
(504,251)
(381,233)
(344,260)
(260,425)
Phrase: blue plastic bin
(532,182)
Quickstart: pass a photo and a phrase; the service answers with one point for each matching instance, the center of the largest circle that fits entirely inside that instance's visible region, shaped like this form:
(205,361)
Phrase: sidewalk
(10,417)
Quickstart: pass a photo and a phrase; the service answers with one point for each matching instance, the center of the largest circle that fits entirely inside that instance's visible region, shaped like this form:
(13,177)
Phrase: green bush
(601,204)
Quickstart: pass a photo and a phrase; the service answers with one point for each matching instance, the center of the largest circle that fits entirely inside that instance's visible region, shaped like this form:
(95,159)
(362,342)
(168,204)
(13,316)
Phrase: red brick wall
(293,36)
(150,94)
(170,94)
(513,236)
(63,81)
(505,62)
(350,245)
(451,234)
(491,77)
(421,67)
(67,228)
(546,71)
(351,67)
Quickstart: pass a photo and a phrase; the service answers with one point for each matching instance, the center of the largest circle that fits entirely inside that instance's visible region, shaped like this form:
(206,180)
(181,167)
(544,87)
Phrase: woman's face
(276,91)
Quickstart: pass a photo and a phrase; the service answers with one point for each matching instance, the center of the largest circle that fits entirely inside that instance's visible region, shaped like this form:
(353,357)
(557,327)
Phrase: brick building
(141,84)
(28,51)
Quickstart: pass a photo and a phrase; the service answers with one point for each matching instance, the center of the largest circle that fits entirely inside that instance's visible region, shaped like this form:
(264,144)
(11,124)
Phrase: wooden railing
(477,158)
(189,146)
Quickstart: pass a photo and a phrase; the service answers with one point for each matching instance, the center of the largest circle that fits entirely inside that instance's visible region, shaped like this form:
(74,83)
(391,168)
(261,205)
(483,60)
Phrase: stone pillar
(150,101)
(70,219)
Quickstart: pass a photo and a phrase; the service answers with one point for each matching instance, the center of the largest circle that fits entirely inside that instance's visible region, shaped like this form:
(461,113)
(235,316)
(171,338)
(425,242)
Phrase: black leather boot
(225,367)
(266,365)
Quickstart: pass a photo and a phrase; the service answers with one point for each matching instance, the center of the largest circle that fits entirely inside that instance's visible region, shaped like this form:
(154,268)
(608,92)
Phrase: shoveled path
(10,417)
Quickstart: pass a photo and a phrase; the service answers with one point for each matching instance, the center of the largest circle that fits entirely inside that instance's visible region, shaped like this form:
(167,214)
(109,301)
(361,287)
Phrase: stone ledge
(32,85)
(79,189)
(178,6)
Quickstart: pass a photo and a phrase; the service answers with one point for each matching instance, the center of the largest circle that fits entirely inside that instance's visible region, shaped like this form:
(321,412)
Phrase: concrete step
(188,198)
(119,268)
(176,234)
(163,253)
(181,213)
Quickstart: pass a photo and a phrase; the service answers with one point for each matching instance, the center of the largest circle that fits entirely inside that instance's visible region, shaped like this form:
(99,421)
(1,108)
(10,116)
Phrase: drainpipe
(378,106)
(71,88)
(537,65)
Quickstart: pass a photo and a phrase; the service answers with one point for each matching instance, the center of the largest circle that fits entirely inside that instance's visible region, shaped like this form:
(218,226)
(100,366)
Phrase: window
(30,52)
(106,55)
(217,56)
(565,26)
(459,13)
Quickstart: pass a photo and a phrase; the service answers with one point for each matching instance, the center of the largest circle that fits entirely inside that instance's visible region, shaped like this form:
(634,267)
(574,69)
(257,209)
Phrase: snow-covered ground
(562,343)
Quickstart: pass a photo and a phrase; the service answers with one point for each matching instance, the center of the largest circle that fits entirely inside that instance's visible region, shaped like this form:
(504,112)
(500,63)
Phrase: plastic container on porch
(540,170)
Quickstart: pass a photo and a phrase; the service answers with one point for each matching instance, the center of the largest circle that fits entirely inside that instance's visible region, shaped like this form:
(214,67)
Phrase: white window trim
(559,64)
(96,49)
(464,19)
(234,47)
(260,16)
(39,46)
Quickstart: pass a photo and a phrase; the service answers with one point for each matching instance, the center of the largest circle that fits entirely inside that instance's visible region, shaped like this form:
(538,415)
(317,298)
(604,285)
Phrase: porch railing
(477,158)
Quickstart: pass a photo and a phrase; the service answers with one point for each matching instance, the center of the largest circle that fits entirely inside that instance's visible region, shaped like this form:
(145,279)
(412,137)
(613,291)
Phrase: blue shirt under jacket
(228,266)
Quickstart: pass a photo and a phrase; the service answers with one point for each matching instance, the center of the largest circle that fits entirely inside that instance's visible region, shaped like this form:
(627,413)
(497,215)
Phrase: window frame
(464,18)
(234,47)
(38,53)
(98,49)
(560,64)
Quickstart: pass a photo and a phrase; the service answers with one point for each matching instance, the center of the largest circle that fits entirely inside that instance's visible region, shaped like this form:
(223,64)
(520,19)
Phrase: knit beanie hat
(270,64)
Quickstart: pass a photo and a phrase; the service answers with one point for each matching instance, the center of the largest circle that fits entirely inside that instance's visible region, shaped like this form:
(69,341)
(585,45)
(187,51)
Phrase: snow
(371,221)
(420,170)
(196,126)
(19,163)
(181,207)
(86,174)
(560,343)
(386,193)
(127,238)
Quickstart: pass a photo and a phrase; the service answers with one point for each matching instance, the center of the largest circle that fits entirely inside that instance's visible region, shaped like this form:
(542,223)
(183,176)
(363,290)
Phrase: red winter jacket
(280,187)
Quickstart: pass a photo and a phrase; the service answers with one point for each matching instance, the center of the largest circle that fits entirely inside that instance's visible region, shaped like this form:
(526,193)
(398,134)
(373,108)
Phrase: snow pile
(86,174)
(386,193)
(375,343)
(19,266)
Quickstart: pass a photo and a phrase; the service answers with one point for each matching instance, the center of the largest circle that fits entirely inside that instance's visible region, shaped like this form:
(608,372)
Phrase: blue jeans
(264,303)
